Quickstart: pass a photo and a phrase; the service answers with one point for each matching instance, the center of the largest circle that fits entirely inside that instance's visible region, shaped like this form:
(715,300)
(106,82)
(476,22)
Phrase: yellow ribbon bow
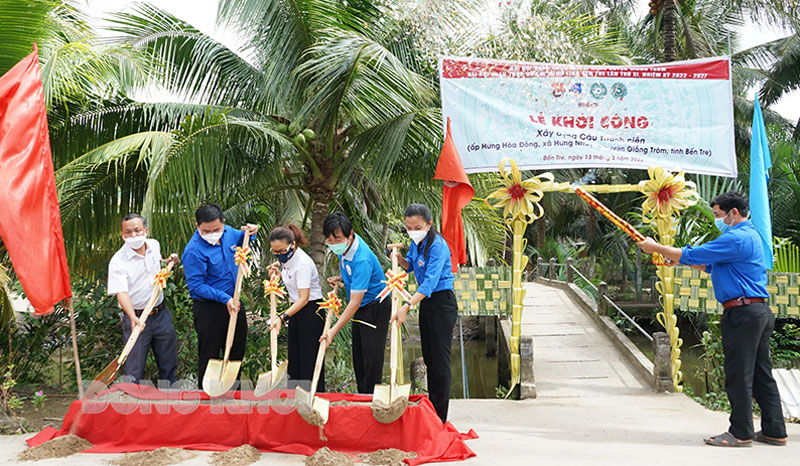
(240,257)
(161,278)
(333,303)
(273,286)
(395,282)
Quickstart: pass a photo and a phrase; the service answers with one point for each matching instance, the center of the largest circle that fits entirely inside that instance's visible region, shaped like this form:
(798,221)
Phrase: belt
(155,310)
(742,301)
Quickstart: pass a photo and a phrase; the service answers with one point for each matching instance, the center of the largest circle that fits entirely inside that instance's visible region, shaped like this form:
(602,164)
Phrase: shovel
(107,375)
(220,375)
(313,409)
(389,402)
(268,381)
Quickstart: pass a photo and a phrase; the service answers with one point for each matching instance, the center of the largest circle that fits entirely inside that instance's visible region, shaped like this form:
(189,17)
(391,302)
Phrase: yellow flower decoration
(666,193)
(520,199)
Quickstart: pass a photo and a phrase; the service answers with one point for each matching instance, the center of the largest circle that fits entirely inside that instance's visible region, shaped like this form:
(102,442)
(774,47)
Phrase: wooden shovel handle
(236,294)
(142,320)
(395,246)
(323,346)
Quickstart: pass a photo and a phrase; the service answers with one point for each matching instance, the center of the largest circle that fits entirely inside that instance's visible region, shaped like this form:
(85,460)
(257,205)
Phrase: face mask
(338,248)
(721,225)
(212,238)
(283,258)
(135,242)
(417,235)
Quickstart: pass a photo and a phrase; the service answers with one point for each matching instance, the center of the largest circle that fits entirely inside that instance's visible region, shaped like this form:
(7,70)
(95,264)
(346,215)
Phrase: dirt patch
(59,447)
(327,457)
(386,414)
(159,457)
(49,415)
(390,457)
(239,456)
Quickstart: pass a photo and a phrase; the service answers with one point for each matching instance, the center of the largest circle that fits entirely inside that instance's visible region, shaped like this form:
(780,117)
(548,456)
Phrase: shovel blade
(382,394)
(401,391)
(220,377)
(313,410)
(269,380)
(103,380)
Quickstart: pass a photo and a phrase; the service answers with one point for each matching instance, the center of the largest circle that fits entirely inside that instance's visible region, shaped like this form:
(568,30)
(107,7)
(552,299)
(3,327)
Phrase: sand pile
(239,456)
(390,457)
(159,457)
(58,447)
(327,457)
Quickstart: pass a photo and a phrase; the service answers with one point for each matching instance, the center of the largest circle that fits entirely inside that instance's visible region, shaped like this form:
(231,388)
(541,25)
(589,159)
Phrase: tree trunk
(322,196)
(541,232)
(668,24)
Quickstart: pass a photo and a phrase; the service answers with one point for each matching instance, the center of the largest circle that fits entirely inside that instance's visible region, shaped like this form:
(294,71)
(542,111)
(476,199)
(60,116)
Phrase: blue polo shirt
(361,271)
(735,261)
(434,273)
(211,270)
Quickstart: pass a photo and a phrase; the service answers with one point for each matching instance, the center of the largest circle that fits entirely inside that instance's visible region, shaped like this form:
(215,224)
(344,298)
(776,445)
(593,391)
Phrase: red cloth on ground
(125,427)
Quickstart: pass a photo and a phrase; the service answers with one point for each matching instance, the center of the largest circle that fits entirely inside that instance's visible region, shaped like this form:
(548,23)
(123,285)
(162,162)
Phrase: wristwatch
(283,316)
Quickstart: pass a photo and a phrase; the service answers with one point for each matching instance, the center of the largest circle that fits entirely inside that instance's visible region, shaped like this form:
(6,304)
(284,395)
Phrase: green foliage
(9,401)
(787,256)
(785,345)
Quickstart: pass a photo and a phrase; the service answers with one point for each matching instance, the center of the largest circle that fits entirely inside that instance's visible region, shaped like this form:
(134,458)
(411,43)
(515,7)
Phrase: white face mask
(135,242)
(212,238)
(417,235)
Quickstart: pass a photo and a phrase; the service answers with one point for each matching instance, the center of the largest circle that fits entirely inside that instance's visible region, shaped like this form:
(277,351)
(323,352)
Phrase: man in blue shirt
(735,261)
(362,276)
(210,270)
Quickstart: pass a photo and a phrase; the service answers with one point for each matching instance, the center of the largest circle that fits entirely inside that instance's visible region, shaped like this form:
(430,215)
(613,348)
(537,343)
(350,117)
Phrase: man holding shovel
(363,277)
(131,274)
(210,269)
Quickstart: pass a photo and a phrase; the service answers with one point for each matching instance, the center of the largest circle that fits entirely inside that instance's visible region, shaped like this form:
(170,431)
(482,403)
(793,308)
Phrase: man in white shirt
(131,273)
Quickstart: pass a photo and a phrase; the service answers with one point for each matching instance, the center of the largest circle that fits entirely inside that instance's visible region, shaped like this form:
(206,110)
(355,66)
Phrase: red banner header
(453,68)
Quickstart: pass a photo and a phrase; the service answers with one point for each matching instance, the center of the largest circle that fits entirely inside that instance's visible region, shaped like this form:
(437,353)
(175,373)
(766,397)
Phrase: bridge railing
(566,272)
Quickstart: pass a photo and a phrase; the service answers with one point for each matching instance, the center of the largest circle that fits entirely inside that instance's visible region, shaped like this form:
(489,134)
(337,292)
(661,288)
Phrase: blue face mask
(284,258)
(338,248)
(721,225)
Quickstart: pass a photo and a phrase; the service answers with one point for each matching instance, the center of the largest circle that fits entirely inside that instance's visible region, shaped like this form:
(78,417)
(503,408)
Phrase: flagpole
(75,349)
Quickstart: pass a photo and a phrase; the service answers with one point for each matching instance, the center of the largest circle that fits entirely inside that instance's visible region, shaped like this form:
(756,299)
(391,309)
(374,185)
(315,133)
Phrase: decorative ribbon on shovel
(395,282)
(241,257)
(333,303)
(273,287)
(161,278)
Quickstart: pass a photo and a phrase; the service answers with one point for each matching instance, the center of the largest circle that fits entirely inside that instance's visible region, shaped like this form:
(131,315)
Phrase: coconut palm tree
(322,107)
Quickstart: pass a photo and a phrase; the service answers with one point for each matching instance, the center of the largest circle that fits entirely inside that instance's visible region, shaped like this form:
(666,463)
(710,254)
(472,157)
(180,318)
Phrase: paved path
(591,409)
(572,356)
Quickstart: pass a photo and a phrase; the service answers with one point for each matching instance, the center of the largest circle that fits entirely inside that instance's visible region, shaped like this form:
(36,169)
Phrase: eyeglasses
(281,251)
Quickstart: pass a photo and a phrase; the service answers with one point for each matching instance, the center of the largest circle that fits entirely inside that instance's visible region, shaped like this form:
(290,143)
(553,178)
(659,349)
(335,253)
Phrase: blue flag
(760,163)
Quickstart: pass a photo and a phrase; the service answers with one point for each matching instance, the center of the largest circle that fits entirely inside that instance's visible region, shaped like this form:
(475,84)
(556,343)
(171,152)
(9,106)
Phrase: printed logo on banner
(576,89)
(619,91)
(598,90)
(559,89)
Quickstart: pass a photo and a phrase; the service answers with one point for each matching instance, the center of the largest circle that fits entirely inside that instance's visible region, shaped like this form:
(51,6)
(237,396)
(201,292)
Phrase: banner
(544,116)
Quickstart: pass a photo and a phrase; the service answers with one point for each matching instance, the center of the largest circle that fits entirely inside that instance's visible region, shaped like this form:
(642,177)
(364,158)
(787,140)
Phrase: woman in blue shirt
(429,259)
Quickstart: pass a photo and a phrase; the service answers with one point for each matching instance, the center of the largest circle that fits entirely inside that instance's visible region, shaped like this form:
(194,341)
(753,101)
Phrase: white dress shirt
(129,272)
(301,272)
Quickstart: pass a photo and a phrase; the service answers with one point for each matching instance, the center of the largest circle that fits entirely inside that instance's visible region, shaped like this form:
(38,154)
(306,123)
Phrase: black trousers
(437,317)
(305,328)
(748,370)
(159,334)
(211,323)
(369,345)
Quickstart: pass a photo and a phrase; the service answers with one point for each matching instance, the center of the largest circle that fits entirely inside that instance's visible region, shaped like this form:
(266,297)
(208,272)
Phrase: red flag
(457,193)
(30,224)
